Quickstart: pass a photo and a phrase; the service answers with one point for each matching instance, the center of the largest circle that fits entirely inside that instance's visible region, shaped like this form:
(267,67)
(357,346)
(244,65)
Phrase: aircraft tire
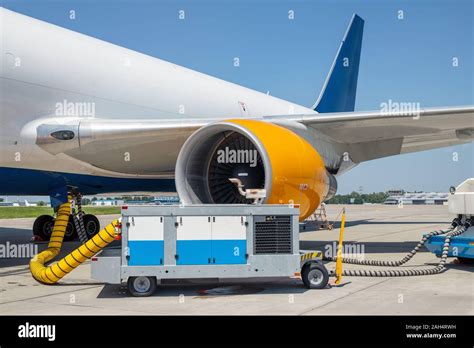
(71,233)
(91,224)
(43,226)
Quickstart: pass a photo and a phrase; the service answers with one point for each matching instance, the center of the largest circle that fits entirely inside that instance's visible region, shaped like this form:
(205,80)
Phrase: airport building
(166,200)
(107,202)
(413,198)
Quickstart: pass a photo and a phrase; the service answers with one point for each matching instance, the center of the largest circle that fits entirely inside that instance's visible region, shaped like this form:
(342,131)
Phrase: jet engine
(221,161)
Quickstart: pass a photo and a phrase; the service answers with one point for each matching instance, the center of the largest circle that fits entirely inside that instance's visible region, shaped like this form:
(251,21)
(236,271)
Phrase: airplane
(28,204)
(80,114)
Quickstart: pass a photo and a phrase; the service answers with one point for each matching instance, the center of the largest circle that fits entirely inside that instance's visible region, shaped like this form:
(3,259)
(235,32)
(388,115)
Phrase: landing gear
(87,223)
(43,227)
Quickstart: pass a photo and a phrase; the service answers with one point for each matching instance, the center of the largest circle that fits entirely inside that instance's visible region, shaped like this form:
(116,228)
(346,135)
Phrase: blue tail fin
(339,91)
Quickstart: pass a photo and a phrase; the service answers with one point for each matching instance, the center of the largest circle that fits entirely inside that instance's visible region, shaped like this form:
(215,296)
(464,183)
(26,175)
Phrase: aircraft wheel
(91,224)
(71,233)
(43,226)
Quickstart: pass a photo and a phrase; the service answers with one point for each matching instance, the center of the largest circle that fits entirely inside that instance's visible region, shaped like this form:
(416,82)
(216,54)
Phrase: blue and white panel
(193,240)
(229,240)
(145,240)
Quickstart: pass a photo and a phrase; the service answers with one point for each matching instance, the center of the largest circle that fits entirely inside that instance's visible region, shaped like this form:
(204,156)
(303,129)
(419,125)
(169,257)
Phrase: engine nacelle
(260,155)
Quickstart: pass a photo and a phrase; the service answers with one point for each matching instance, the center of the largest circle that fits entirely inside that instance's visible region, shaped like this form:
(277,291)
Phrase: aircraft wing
(364,135)
(376,134)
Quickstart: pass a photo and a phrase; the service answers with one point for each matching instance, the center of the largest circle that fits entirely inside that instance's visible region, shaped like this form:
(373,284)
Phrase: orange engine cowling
(261,155)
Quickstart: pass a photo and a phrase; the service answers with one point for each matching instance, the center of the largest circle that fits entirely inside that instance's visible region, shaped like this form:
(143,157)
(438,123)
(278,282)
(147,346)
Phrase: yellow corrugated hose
(51,274)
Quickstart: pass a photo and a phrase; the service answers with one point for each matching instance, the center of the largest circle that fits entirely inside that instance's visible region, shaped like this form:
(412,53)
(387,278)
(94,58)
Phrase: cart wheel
(315,276)
(141,286)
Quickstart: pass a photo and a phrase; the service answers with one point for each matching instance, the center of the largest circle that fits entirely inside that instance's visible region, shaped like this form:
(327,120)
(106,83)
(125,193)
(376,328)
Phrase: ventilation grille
(272,234)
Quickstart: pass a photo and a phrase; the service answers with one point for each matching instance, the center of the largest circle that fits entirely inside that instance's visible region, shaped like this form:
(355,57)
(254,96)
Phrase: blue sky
(407,60)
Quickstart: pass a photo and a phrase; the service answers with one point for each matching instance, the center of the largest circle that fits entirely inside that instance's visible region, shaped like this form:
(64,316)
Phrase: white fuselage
(46,68)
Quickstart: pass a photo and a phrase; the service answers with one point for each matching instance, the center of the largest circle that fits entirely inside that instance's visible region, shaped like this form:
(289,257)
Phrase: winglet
(339,91)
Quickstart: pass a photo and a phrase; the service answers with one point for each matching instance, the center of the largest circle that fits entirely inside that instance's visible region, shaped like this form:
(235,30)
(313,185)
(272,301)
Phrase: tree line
(359,198)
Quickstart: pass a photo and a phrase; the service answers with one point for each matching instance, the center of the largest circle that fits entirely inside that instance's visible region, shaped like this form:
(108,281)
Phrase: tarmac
(372,231)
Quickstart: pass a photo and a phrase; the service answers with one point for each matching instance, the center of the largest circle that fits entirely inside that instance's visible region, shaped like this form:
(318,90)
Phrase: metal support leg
(77,215)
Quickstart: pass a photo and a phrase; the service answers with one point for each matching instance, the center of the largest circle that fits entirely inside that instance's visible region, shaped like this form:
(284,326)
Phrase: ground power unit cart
(207,242)
(460,203)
